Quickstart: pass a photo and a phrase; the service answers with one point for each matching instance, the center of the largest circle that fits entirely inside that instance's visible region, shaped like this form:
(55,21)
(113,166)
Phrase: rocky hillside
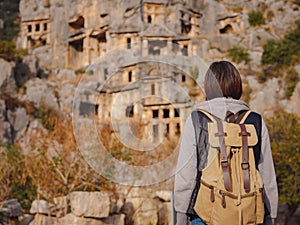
(72,44)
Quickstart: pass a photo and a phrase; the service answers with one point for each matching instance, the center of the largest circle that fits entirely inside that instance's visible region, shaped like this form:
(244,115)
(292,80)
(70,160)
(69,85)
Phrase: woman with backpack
(223,89)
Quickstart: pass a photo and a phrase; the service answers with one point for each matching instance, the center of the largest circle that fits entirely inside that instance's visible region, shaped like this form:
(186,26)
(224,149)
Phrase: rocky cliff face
(69,40)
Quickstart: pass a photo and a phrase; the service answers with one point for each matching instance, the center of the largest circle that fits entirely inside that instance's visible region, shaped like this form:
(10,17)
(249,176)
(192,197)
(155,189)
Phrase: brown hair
(223,80)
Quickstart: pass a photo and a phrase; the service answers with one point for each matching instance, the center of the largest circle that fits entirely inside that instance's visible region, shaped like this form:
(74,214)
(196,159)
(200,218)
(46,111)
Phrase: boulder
(66,74)
(140,211)
(71,219)
(25,69)
(18,118)
(40,219)
(114,220)
(12,208)
(61,204)
(2,110)
(38,92)
(6,135)
(164,195)
(7,81)
(33,137)
(41,207)
(66,97)
(90,204)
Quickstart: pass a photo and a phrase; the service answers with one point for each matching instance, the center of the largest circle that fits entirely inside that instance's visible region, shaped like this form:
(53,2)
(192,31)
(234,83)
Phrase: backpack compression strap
(224,160)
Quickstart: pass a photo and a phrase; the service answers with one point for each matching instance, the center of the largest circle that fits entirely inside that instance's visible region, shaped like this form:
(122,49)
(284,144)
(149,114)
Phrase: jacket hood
(219,106)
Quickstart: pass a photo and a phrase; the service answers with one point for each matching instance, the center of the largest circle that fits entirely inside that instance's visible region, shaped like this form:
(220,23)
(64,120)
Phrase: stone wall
(134,206)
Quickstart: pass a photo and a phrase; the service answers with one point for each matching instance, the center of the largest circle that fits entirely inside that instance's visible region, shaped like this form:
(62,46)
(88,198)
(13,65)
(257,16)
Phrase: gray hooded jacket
(186,170)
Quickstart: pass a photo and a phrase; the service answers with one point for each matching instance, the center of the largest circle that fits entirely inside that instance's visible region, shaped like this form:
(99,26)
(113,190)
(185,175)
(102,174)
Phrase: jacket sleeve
(267,171)
(186,172)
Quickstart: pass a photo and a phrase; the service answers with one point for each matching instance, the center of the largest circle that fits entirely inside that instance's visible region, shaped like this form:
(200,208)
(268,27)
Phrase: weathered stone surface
(164,195)
(26,220)
(146,212)
(6,71)
(41,207)
(7,81)
(140,211)
(61,204)
(71,219)
(116,203)
(12,208)
(66,74)
(33,137)
(40,219)
(90,204)
(18,118)
(22,73)
(114,220)
(165,214)
(6,134)
(66,97)
(39,92)
(267,98)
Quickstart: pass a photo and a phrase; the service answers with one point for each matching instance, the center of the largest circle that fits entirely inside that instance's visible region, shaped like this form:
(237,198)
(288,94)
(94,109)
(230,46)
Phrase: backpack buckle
(224,163)
(245,165)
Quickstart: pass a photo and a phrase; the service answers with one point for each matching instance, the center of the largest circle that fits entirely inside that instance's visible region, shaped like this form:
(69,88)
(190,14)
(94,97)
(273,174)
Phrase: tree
(284,129)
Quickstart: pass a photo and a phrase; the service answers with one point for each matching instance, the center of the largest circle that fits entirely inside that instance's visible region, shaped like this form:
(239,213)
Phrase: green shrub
(9,52)
(48,116)
(281,52)
(238,55)
(9,13)
(278,55)
(256,18)
(284,130)
(13,180)
(290,81)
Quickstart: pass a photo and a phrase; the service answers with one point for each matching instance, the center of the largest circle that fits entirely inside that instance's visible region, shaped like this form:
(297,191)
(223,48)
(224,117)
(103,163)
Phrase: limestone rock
(114,220)
(66,74)
(22,72)
(6,134)
(90,204)
(39,92)
(66,97)
(7,82)
(266,100)
(41,207)
(140,211)
(6,71)
(40,219)
(12,208)
(2,110)
(61,204)
(71,219)
(32,138)
(146,212)
(18,118)
(226,42)
(164,195)
(165,214)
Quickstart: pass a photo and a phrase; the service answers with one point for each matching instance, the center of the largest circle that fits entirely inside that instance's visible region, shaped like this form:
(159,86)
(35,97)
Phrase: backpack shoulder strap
(210,116)
(224,159)
(244,116)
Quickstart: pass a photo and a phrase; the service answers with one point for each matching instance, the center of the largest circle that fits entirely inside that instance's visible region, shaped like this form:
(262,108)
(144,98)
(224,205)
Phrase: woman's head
(223,80)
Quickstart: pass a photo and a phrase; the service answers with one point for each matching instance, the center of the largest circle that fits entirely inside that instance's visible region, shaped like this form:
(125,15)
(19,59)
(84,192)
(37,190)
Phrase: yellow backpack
(231,190)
